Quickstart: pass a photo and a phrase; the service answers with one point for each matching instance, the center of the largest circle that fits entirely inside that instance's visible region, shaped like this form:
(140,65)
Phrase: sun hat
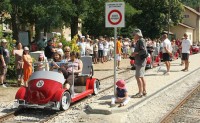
(121,84)
(26,48)
(138,32)
(41,55)
(4,40)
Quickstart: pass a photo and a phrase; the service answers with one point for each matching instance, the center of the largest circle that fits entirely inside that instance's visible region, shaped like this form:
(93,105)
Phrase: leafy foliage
(94,19)
(148,15)
(74,46)
(153,19)
(1,31)
(192,3)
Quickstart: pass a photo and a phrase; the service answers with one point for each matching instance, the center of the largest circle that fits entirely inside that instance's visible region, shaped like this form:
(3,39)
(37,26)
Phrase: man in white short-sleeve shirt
(167,52)
(186,45)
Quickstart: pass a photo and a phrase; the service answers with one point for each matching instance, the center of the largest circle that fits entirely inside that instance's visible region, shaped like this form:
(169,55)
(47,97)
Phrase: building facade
(189,25)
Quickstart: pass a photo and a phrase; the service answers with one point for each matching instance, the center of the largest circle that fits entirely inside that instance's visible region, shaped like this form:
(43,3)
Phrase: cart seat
(87,71)
(87,66)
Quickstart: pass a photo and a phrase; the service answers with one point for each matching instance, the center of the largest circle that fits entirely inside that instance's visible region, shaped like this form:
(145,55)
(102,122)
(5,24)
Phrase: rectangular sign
(115,16)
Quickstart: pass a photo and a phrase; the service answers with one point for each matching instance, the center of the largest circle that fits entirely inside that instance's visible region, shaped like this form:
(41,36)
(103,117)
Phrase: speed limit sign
(115,14)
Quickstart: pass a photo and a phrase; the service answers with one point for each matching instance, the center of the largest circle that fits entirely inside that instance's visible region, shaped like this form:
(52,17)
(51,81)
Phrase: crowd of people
(101,50)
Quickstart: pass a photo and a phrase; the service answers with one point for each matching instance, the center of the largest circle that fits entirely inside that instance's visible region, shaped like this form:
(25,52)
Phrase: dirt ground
(7,94)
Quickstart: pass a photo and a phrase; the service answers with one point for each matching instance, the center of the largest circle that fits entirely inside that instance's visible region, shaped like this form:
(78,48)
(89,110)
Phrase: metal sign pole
(115,60)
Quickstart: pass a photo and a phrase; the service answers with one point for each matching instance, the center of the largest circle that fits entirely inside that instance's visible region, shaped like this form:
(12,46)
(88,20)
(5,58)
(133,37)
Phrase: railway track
(54,114)
(187,110)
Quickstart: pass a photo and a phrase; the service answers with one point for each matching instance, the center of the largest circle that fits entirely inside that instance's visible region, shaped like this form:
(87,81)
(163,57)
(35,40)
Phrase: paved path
(156,81)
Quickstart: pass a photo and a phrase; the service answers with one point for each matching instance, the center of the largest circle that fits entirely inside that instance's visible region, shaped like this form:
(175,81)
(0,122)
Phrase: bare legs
(118,63)
(141,85)
(167,63)
(1,79)
(186,62)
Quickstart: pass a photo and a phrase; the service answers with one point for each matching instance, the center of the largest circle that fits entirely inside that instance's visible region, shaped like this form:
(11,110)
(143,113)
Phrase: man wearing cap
(186,46)
(140,63)
(3,61)
(49,50)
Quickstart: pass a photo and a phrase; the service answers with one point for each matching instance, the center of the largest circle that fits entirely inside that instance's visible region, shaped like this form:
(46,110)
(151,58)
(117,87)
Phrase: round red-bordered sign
(120,17)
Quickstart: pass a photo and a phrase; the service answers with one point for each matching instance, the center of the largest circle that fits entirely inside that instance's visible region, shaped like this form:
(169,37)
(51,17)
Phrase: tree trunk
(74,20)
(37,33)
(45,32)
(74,26)
(14,20)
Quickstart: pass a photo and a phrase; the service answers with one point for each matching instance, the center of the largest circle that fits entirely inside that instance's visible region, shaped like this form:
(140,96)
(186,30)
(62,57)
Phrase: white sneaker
(4,86)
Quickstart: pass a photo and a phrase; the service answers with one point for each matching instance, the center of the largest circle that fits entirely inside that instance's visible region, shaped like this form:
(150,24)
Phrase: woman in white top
(105,51)
(71,71)
(89,47)
(100,49)
(82,46)
(95,51)
(111,45)
(125,48)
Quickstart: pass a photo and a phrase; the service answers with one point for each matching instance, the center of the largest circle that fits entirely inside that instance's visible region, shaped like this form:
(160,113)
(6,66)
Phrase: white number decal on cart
(40,83)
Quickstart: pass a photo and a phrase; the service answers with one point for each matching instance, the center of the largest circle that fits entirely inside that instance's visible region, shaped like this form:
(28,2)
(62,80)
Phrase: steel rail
(10,115)
(171,113)
(20,110)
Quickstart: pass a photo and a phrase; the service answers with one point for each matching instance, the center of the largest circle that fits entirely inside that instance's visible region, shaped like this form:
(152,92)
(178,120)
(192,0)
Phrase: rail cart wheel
(65,101)
(96,87)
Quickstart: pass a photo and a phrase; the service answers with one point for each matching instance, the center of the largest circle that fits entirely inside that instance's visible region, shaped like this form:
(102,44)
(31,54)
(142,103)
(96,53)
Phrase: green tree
(192,3)
(1,31)
(11,6)
(153,16)
(94,19)
(78,9)
(45,14)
